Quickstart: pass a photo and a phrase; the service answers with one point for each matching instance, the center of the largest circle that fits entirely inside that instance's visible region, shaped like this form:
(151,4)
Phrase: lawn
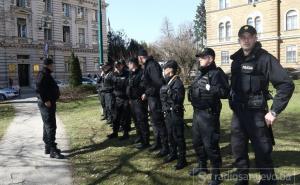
(97,160)
(7,114)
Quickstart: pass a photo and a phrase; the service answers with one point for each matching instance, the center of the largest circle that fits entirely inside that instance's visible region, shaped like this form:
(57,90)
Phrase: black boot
(170,158)
(47,149)
(138,140)
(215,177)
(181,163)
(112,135)
(163,152)
(142,146)
(200,169)
(154,147)
(55,153)
(124,137)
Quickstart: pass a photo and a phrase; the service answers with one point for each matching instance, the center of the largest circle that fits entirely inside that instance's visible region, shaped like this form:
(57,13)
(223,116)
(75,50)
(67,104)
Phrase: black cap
(247,28)
(143,52)
(48,61)
(171,64)
(134,61)
(206,52)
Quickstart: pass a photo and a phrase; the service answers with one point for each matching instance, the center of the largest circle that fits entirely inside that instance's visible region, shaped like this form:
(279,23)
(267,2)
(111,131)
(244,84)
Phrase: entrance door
(23,70)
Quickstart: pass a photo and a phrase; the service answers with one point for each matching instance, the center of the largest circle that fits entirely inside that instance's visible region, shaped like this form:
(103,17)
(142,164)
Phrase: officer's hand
(270,119)
(143,97)
(48,104)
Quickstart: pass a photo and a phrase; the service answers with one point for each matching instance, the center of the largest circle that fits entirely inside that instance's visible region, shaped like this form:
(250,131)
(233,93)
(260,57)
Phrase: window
(66,9)
(250,21)
(80,12)
(228,31)
(95,36)
(223,4)
(258,24)
(67,64)
(253,1)
(48,7)
(81,36)
(221,32)
(224,57)
(22,29)
(66,34)
(21,3)
(291,20)
(47,34)
(291,54)
(95,15)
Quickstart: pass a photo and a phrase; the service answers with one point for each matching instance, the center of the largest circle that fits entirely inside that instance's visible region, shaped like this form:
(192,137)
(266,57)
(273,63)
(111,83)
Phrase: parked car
(88,81)
(293,73)
(61,84)
(8,93)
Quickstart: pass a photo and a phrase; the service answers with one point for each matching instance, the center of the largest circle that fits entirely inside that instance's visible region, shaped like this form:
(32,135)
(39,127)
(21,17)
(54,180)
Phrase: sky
(142,19)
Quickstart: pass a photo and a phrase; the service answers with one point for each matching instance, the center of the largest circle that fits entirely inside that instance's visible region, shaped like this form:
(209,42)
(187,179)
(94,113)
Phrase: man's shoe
(112,136)
(214,182)
(124,137)
(181,164)
(47,150)
(162,153)
(154,147)
(242,183)
(55,154)
(267,182)
(170,158)
(198,170)
(142,146)
(137,140)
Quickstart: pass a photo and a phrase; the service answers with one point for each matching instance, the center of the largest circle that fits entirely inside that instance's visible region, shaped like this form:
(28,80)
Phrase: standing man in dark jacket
(205,94)
(153,80)
(107,91)
(252,70)
(48,93)
(121,111)
(172,97)
(100,81)
(135,90)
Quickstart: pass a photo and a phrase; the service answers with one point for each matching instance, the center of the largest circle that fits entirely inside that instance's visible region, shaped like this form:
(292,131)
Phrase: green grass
(97,160)
(7,114)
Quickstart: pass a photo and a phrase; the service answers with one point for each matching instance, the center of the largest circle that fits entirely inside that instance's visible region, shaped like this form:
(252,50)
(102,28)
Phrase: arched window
(221,32)
(250,21)
(291,20)
(228,31)
(258,24)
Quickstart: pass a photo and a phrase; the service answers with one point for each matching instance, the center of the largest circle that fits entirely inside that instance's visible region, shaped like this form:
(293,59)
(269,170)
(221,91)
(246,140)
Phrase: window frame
(227,61)
(296,21)
(295,57)
(20,32)
(66,9)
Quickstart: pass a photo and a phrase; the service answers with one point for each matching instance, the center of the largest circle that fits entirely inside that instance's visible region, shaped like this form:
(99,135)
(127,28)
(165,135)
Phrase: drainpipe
(278,29)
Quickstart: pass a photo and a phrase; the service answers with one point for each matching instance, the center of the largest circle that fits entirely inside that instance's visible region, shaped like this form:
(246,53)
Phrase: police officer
(48,93)
(100,81)
(252,70)
(121,109)
(153,80)
(135,90)
(205,94)
(107,91)
(172,97)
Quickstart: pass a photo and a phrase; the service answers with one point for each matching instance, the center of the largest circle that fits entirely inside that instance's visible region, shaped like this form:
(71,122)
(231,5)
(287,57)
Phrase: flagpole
(100,33)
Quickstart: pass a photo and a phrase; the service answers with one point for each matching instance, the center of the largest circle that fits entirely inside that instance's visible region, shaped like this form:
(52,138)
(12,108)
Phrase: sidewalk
(22,158)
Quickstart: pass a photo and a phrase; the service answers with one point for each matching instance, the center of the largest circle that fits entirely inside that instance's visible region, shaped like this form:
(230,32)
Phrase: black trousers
(121,115)
(250,125)
(206,136)
(49,126)
(157,120)
(175,128)
(109,102)
(102,103)
(140,116)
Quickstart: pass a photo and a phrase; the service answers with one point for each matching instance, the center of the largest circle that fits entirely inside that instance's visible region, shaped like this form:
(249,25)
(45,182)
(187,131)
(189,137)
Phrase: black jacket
(46,86)
(135,88)
(269,69)
(107,83)
(120,81)
(153,77)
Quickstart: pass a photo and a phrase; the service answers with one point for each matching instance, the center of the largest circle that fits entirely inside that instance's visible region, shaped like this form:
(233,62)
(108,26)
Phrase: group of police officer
(140,88)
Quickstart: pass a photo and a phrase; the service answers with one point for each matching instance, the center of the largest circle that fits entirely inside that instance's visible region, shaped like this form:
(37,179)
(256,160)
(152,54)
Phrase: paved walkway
(22,158)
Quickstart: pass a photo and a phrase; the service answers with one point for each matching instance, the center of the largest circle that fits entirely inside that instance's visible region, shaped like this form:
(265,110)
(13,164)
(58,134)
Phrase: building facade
(32,29)
(277,23)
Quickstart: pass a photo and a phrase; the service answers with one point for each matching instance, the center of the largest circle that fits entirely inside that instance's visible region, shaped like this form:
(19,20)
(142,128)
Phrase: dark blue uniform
(249,94)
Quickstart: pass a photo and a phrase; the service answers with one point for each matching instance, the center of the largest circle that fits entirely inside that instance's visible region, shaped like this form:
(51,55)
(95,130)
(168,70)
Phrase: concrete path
(22,158)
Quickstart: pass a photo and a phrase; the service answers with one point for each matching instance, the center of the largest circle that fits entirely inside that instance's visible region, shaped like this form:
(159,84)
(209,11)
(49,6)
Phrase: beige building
(65,25)
(277,23)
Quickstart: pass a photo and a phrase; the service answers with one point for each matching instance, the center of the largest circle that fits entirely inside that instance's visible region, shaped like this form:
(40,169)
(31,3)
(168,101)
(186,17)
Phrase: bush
(76,93)
(75,71)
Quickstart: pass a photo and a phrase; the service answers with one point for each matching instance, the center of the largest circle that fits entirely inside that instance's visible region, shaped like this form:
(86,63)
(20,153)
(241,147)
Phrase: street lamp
(100,35)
